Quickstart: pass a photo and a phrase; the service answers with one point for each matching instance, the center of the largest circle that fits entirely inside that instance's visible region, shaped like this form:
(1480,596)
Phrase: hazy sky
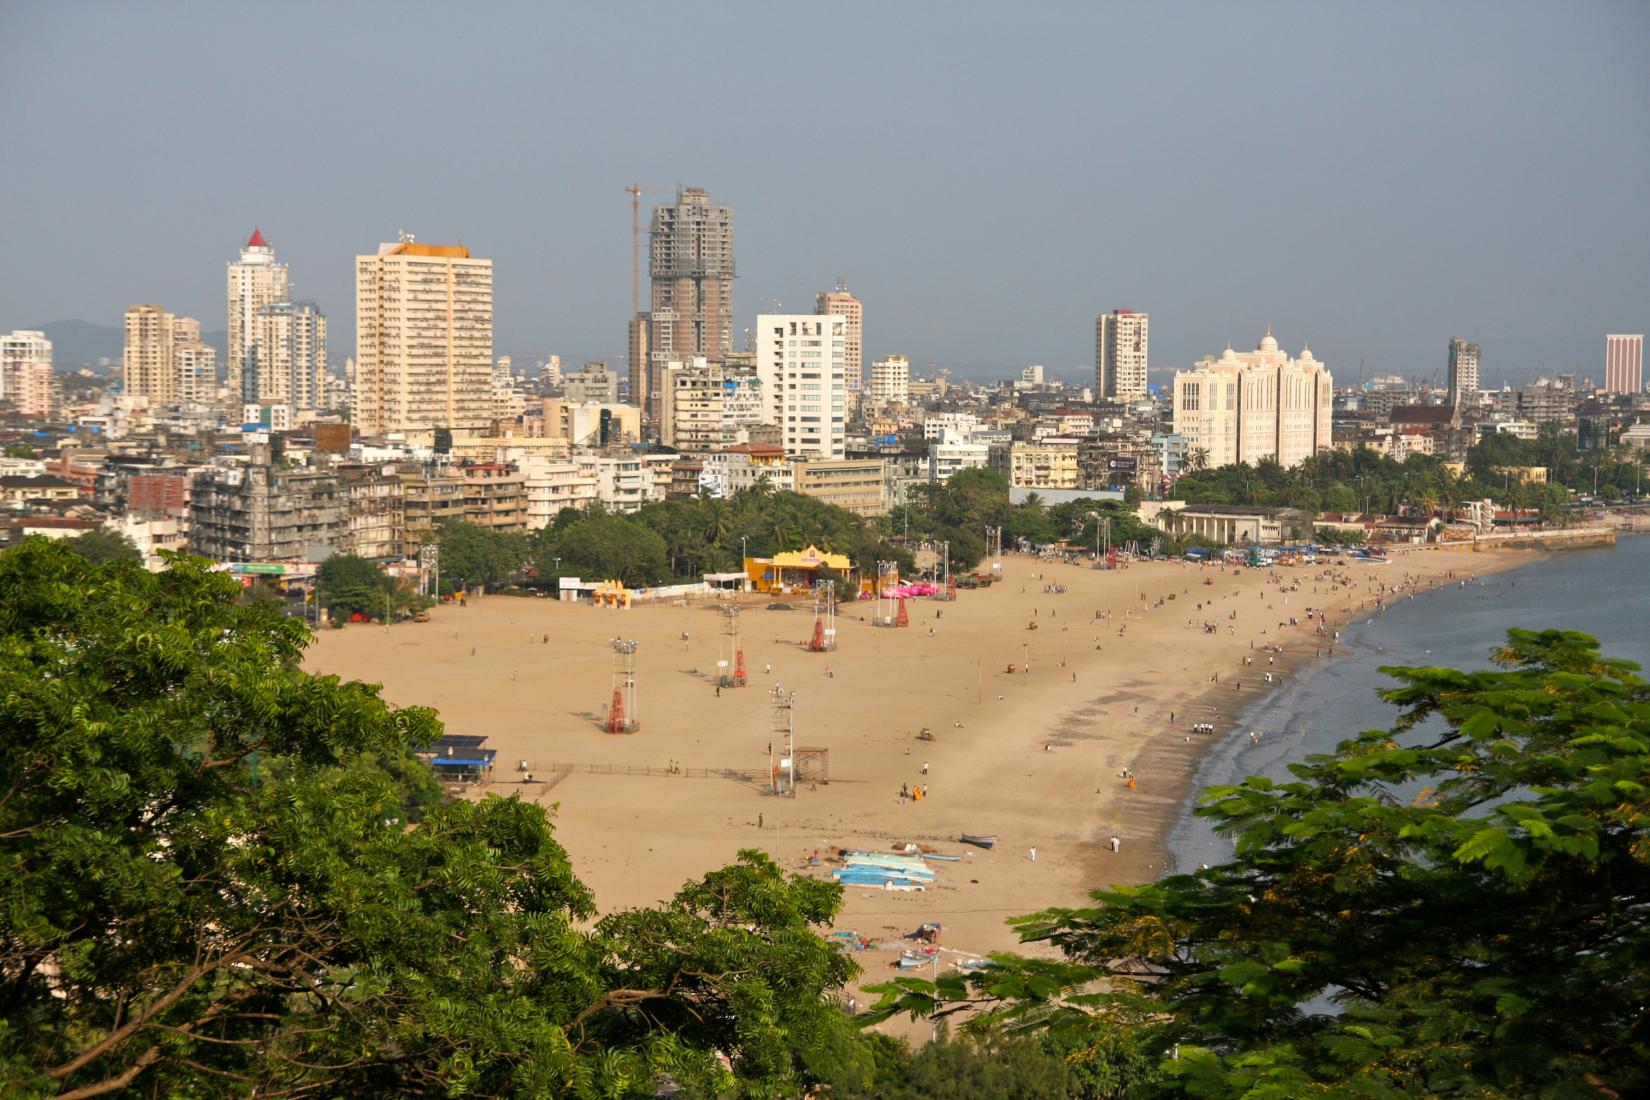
(1371,177)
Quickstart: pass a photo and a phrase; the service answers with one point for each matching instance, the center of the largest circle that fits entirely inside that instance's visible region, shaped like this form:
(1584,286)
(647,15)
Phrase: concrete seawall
(1575,538)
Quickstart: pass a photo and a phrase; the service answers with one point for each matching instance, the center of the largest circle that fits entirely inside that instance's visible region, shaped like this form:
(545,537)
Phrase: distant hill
(77,344)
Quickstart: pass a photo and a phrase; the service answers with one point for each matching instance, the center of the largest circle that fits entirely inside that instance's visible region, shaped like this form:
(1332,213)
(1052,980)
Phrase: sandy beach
(1035,757)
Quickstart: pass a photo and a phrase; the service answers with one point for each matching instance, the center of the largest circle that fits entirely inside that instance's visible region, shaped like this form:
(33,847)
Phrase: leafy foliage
(1457,906)
(103,545)
(348,585)
(208,886)
(475,555)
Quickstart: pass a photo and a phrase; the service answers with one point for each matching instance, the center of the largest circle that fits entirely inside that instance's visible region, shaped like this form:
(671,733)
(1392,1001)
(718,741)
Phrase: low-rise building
(1047,464)
(859,485)
(494,496)
(1235,524)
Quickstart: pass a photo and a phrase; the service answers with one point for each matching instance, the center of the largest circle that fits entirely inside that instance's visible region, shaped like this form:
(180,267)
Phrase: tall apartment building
(840,303)
(26,376)
(690,250)
(1624,363)
(423,339)
(286,362)
(800,368)
(890,382)
(164,359)
(255,282)
(1244,407)
(1463,373)
(1121,354)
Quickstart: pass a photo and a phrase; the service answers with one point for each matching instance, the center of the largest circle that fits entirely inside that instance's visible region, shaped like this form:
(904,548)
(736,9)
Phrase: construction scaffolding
(730,661)
(621,713)
(824,637)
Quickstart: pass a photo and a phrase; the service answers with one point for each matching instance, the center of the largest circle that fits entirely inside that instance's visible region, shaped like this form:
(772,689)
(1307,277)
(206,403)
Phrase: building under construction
(691,267)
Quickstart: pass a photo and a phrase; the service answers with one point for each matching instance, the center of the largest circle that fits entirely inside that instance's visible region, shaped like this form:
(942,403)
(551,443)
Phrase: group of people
(913,793)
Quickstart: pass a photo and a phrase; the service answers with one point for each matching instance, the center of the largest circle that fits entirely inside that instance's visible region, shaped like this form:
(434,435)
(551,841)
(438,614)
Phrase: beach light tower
(782,733)
(824,638)
(730,662)
(621,716)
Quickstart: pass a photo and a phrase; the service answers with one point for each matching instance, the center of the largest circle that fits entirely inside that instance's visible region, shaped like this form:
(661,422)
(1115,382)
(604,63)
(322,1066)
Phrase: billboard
(1123,464)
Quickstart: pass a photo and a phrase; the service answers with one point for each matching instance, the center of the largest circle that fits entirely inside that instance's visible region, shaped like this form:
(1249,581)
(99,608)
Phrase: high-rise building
(146,363)
(840,303)
(1463,374)
(286,363)
(423,339)
(800,369)
(690,262)
(641,362)
(890,382)
(164,359)
(255,281)
(1121,347)
(1249,406)
(1624,363)
(26,376)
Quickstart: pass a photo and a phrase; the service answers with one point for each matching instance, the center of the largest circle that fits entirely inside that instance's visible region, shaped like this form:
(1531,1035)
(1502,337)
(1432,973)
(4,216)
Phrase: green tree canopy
(103,545)
(348,584)
(208,887)
(475,555)
(1457,906)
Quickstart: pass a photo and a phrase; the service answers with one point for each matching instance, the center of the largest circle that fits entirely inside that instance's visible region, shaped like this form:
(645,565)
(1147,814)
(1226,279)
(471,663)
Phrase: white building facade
(1121,354)
(1250,406)
(801,368)
(256,281)
(890,383)
(26,378)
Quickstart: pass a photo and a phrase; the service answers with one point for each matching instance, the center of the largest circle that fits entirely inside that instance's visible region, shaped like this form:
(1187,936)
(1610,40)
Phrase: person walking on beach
(1116,844)
(1034,853)
(925,767)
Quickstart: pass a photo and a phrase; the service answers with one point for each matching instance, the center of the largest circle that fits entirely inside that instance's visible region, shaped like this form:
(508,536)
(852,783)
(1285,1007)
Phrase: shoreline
(1292,662)
(1035,756)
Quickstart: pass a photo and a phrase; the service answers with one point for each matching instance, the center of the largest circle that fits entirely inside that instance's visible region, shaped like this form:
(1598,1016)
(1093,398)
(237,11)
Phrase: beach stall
(797,570)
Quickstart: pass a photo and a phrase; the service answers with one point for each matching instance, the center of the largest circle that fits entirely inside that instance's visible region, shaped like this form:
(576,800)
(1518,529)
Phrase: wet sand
(1034,757)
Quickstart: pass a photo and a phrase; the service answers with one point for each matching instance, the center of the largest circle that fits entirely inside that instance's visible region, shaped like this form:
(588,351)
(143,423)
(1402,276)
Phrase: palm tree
(1197,459)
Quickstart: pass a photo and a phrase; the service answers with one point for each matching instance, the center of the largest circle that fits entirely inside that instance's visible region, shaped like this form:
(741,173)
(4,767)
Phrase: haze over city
(1373,180)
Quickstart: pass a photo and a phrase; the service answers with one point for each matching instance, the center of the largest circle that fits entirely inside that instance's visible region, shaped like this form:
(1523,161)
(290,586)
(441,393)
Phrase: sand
(1034,757)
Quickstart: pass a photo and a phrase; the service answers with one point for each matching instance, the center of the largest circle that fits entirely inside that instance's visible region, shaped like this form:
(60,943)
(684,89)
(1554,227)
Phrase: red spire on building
(257,240)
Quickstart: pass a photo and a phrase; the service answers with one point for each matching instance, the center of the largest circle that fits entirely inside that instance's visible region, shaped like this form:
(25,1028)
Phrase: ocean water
(1605,593)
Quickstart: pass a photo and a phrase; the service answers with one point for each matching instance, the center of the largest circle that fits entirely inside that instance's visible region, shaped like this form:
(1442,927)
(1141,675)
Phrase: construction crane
(636,191)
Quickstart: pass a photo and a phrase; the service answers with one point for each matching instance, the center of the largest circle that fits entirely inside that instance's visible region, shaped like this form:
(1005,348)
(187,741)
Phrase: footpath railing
(556,772)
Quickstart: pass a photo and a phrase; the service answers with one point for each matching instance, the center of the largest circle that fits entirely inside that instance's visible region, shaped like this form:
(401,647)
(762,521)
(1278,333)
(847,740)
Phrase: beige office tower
(255,281)
(1121,347)
(690,261)
(840,303)
(423,339)
(288,361)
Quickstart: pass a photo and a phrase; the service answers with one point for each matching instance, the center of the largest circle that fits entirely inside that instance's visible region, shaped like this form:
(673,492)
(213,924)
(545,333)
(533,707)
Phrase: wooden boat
(978,841)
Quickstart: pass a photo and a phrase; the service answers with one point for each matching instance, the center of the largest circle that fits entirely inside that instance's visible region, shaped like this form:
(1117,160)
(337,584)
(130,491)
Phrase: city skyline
(1347,168)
